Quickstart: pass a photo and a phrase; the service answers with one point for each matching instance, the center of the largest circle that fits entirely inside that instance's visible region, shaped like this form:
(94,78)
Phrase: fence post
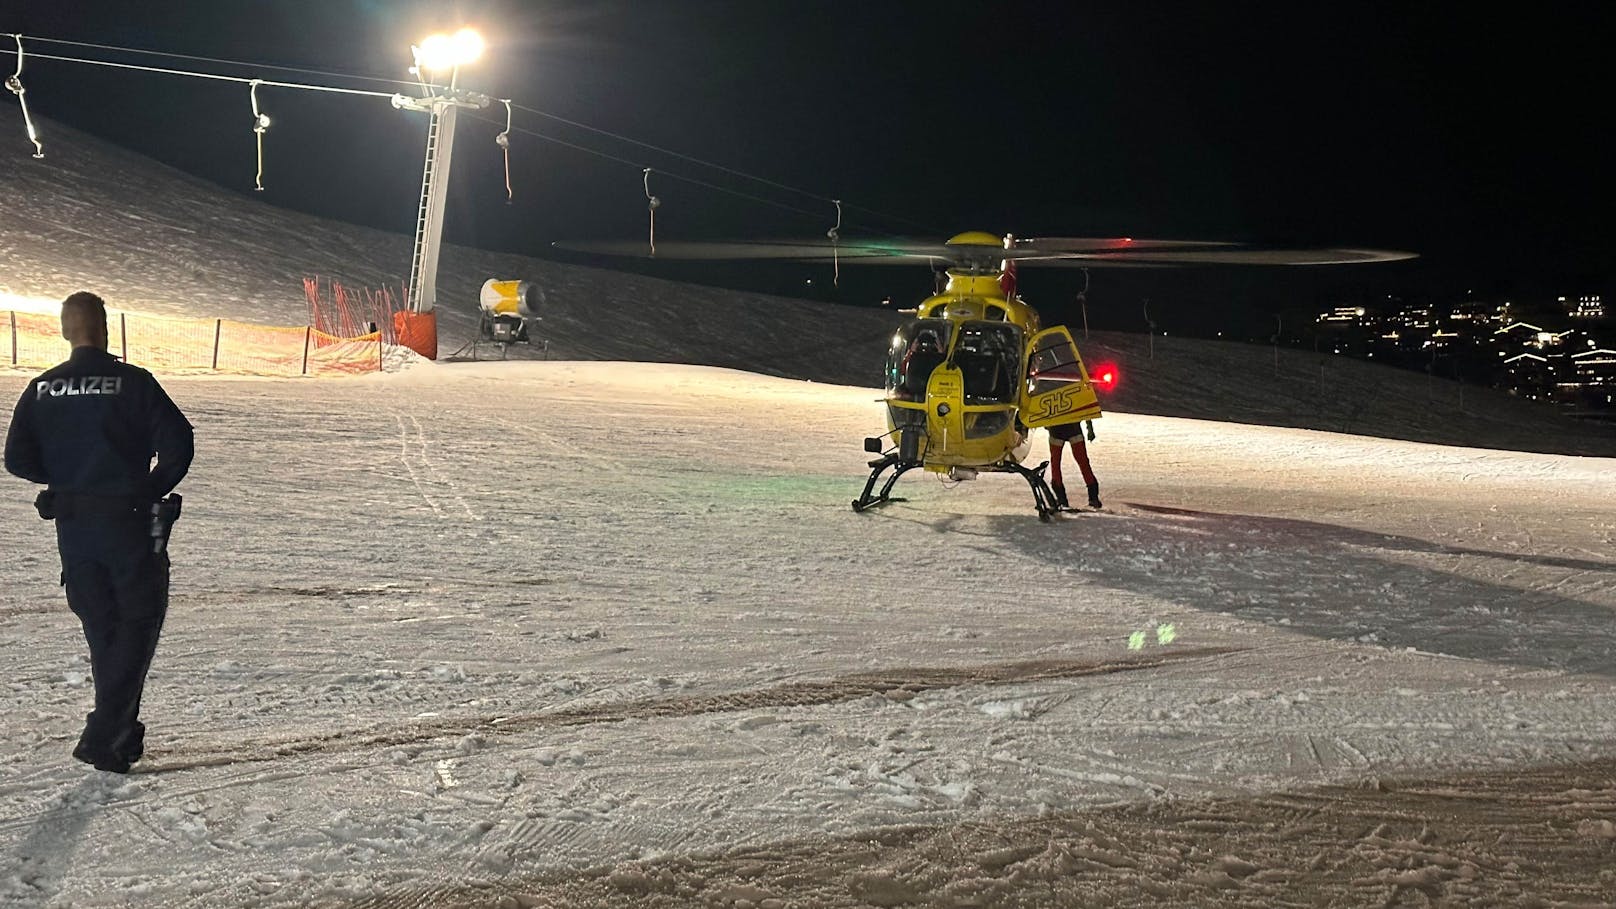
(308,335)
(218,328)
(13,337)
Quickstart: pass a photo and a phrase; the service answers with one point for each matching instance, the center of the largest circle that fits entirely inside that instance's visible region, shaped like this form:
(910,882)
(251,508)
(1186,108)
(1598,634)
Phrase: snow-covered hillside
(92,215)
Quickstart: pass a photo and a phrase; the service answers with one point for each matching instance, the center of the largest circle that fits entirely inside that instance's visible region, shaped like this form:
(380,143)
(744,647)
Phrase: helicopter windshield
(989,357)
(917,348)
(1055,364)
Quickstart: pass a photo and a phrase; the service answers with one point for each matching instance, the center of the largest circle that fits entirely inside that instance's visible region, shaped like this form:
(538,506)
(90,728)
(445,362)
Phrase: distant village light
(1588,306)
(1575,368)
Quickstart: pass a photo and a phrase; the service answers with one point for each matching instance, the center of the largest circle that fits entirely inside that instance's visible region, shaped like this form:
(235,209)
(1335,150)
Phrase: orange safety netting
(197,345)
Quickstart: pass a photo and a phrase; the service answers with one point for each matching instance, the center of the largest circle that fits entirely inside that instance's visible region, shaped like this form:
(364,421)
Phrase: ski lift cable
(376,94)
(728,170)
(218,60)
(241,80)
(664,173)
(14,84)
(420,81)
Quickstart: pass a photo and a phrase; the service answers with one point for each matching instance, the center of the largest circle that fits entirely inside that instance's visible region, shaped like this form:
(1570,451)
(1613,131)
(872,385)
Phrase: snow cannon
(506,308)
(510,298)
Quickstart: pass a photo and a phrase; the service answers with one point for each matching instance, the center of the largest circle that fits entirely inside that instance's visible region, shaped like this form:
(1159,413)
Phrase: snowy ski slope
(596,632)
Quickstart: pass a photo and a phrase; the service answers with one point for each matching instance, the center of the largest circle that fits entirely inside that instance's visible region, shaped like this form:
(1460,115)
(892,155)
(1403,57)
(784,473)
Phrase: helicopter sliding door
(1057,388)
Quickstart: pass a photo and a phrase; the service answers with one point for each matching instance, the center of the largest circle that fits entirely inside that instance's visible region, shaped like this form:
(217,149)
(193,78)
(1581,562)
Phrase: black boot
(117,757)
(1060,494)
(133,745)
(102,760)
(1094,495)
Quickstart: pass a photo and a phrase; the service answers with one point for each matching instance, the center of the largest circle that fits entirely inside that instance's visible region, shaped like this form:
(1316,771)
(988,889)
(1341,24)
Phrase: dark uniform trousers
(118,588)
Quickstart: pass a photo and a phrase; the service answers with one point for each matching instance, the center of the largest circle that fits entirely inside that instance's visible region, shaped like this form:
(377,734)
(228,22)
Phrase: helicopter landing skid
(1043,496)
(877,467)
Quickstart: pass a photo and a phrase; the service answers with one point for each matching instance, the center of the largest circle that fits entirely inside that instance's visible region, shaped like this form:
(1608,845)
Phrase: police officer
(89,429)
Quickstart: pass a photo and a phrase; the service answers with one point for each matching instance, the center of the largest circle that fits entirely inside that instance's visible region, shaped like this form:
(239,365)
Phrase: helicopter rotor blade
(1233,257)
(1109,244)
(910,259)
(1082,261)
(1085,251)
(1068,252)
(900,251)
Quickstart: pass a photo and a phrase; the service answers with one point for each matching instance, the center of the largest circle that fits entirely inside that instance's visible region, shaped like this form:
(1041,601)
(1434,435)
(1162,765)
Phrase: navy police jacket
(91,427)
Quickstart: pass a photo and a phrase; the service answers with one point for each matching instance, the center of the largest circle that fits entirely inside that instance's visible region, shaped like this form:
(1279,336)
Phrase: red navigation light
(1104,377)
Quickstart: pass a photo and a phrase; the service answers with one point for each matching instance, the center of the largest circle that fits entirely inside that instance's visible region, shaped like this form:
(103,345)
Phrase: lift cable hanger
(652,203)
(14,83)
(260,126)
(503,140)
(835,234)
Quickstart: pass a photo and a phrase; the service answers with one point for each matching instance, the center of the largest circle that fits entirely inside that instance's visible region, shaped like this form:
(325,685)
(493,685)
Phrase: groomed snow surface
(608,634)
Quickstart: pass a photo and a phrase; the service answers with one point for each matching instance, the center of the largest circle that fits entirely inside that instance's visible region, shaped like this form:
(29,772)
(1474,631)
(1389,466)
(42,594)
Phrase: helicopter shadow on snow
(1373,539)
(1337,582)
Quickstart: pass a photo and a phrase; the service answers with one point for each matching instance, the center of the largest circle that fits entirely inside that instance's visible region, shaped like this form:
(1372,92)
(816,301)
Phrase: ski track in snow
(442,635)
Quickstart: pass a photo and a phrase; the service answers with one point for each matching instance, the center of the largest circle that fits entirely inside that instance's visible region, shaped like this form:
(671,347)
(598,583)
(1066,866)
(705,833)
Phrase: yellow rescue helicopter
(972,374)
(974,371)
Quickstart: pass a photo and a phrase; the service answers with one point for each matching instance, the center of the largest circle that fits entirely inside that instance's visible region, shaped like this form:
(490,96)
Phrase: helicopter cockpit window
(1055,364)
(995,314)
(917,348)
(988,354)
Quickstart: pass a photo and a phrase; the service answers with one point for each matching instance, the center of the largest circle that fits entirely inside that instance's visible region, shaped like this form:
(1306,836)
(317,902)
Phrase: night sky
(1478,142)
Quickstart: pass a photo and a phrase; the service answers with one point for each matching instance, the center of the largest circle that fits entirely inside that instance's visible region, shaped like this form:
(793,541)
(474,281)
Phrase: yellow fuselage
(973,401)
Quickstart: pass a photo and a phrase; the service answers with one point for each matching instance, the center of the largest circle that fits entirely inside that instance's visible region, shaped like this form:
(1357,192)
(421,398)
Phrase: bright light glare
(29,304)
(41,305)
(468,45)
(449,51)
